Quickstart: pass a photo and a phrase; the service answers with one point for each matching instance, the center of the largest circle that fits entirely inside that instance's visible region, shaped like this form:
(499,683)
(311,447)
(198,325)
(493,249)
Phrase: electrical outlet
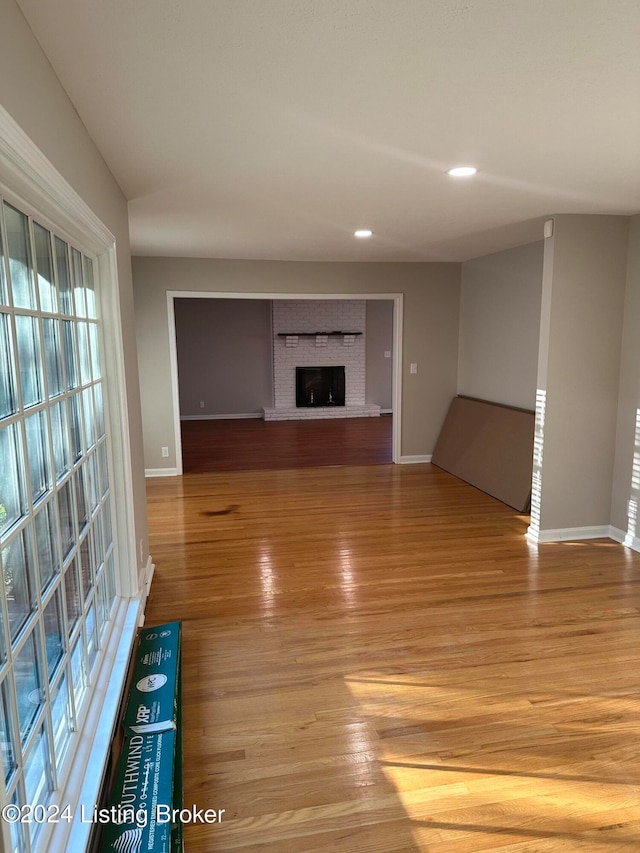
(387,353)
(202,404)
(165,452)
(413,368)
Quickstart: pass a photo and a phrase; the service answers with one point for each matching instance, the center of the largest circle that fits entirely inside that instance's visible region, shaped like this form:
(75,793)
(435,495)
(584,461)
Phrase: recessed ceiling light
(462,171)
(363,233)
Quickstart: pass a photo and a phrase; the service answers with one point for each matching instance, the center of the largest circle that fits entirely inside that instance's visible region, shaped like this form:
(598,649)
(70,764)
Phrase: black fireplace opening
(319,386)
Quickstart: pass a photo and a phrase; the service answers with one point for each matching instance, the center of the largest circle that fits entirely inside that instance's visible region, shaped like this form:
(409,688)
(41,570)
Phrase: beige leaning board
(489,446)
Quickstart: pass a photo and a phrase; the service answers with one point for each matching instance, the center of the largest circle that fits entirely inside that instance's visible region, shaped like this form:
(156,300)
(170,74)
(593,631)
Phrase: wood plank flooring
(376,659)
(256,445)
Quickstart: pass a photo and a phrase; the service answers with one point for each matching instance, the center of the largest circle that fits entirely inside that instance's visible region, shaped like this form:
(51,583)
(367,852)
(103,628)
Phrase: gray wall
(500,326)
(431,310)
(626,482)
(224,356)
(32,94)
(379,339)
(579,367)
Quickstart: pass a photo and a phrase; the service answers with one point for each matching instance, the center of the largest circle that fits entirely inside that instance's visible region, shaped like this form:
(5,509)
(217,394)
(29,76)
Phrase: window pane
(38,455)
(107,525)
(18,568)
(46,539)
(90,287)
(65,513)
(78,671)
(8,404)
(83,351)
(3,642)
(19,258)
(111,581)
(60,439)
(28,338)
(95,350)
(103,468)
(28,685)
(91,474)
(82,506)
(99,409)
(53,632)
(6,741)
(103,607)
(92,639)
(53,356)
(64,279)
(76,432)
(89,420)
(4,293)
(37,778)
(72,595)
(12,501)
(18,843)
(44,268)
(70,354)
(98,540)
(61,718)
(78,286)
(86,566)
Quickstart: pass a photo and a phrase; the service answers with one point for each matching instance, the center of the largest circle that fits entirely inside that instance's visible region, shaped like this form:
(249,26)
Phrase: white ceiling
(274,128)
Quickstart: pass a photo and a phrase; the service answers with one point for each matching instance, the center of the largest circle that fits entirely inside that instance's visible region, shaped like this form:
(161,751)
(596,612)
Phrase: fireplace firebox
(320,386)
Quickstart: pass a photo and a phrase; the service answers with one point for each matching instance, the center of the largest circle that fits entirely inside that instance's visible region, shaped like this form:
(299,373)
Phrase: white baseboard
(414,460)
(160,472)
(623,538)
(220,417)
(386,411)
(565,534)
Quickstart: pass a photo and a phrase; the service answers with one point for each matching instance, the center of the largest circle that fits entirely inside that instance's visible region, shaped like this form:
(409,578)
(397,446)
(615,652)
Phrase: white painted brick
(318,316)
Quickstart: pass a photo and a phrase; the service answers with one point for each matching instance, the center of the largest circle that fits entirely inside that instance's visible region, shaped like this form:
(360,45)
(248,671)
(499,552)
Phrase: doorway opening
(195,418)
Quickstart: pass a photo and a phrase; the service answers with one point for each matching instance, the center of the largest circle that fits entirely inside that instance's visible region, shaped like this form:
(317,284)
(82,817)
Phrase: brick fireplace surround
(303,322)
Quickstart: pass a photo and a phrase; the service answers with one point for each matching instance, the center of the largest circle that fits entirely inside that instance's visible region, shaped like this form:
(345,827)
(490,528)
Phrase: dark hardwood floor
(257,445)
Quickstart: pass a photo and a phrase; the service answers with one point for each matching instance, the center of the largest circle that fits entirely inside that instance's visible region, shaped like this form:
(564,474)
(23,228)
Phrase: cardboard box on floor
(148,779)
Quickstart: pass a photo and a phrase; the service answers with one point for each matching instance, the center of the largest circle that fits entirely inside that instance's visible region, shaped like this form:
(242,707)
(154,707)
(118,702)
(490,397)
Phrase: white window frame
(33,184)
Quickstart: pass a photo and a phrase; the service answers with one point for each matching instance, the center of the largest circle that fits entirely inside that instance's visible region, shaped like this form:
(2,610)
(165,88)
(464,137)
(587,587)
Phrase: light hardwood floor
(375,659)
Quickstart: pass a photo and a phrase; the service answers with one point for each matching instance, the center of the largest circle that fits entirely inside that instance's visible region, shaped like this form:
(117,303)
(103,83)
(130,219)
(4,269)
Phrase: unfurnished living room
(319,426)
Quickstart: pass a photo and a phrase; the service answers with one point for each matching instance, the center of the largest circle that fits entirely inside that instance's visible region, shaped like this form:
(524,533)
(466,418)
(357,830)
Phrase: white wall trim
(414,460)
(36,183)
(30,179)
(161,472)
(386,411)
(398,311)
(220,417)
(118,420)
(626,539)
(175,387)
(565,534)
(27,172)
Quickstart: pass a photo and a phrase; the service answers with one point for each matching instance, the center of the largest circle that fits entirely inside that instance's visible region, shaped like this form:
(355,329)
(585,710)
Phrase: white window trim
(26,173)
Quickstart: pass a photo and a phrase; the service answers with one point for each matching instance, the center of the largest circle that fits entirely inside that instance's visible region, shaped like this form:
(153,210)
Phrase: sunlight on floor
(458,776)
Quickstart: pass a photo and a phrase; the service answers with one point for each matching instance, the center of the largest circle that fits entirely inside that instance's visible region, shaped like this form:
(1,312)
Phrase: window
(57,554)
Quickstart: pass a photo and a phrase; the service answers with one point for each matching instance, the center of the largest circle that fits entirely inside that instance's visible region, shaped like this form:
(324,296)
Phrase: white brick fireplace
(315,333)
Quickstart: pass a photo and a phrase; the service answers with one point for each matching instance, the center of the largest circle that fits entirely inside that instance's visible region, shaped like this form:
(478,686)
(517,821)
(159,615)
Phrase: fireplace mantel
(314,334)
